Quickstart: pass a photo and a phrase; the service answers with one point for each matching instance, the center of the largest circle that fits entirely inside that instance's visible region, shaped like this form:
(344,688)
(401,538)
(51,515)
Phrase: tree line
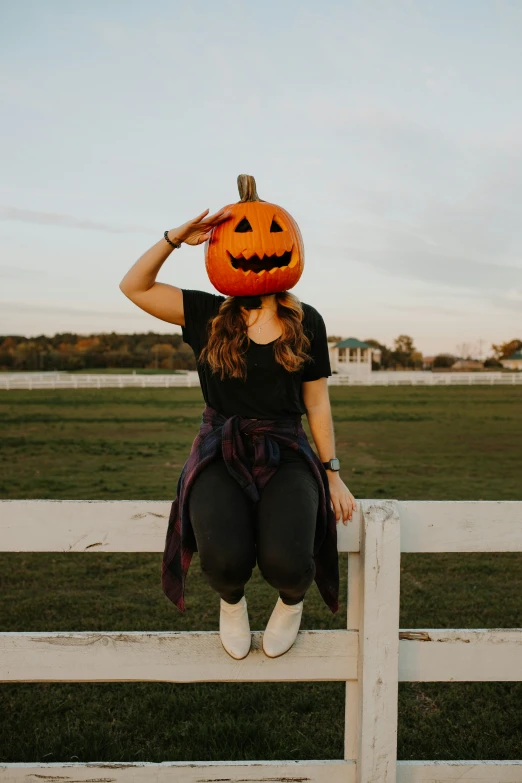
(67,351)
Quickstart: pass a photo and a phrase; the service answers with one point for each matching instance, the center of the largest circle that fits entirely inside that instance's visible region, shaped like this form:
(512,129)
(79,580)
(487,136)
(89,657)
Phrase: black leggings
(231,530)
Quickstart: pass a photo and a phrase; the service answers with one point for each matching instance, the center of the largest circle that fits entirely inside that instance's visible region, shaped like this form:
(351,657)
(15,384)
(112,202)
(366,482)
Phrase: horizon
(467,350)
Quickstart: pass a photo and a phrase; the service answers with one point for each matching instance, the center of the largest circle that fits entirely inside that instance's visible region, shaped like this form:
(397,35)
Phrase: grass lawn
(395,442)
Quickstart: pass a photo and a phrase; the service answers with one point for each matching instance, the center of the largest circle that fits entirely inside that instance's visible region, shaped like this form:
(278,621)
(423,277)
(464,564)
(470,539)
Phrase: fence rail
(12,381)
(428,378)
(372,655)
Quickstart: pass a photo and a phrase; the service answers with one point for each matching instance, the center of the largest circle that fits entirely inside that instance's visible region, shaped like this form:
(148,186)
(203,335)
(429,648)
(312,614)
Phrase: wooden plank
(171,656)
(182,772)
(351,704)
(255,771)
(463,771)
(461,525)
(83,525)
(103,526)
(425,655)
(353,609)
(460,655)
(378,643)
(140,526)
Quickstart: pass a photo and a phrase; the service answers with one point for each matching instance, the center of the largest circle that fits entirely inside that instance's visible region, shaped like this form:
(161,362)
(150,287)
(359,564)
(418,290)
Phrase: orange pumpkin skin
(264,260)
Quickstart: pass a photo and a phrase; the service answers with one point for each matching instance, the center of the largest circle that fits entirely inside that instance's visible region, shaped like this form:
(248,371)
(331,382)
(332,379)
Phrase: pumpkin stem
(246,185)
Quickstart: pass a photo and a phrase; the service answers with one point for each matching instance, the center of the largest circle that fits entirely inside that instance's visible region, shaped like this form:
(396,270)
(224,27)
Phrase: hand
(343,502)
(199,229)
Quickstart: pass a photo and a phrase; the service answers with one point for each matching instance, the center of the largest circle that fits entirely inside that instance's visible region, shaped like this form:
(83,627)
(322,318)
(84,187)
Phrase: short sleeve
(319,366)
(198,308)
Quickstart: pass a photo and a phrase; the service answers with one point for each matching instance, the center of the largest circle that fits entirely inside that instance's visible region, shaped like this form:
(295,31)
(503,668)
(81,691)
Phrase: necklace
(260,327)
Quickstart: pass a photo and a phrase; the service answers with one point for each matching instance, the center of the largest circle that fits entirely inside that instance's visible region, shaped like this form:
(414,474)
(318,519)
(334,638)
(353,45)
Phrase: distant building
(427,362)
(513,362)
(467,364)
(352,357)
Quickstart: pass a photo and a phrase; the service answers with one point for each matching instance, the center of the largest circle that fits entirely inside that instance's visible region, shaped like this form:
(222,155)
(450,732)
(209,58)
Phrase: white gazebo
(513,362)
(352,357)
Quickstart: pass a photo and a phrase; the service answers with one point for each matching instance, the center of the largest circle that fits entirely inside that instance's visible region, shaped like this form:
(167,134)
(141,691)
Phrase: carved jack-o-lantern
(258,250)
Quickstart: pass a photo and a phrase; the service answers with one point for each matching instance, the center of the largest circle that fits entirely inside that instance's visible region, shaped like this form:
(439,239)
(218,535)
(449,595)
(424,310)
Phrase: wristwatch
(332,464)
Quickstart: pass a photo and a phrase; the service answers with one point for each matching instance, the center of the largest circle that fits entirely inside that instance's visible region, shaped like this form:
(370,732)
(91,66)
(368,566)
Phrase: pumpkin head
(258,250)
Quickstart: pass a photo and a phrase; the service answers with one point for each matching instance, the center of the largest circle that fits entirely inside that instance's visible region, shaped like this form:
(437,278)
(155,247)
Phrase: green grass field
(406,443)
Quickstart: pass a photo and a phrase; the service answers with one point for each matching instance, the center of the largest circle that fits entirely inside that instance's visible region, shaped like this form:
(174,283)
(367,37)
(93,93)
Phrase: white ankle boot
(234,628)
(282,628)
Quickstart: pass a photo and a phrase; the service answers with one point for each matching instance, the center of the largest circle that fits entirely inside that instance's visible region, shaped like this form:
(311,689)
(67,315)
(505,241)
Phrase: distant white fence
(101,381)
(191,379)
(429,378)
(372,655)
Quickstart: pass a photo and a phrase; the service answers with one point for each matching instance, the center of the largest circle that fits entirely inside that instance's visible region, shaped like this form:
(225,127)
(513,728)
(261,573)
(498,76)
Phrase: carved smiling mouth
(259,264)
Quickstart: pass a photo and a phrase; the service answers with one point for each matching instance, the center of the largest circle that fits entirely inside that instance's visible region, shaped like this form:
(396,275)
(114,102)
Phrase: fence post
(351,712)
(378,672)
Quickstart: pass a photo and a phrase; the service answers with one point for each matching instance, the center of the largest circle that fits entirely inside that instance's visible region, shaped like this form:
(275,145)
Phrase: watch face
(332,464)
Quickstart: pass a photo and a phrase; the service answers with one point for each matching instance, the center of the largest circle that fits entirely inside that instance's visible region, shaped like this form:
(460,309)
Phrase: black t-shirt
(269,391)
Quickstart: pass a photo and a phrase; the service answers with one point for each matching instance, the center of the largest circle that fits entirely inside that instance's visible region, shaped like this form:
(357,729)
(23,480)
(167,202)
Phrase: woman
(252,487)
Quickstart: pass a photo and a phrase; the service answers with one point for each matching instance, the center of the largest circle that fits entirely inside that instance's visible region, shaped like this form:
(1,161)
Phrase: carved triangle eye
(275,227)
(243,226)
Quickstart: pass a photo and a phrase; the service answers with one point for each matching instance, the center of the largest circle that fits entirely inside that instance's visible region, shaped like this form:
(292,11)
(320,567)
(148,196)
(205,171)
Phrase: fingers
(336,507)
(343,505)
(209,222)
(199,217)
(197,239)
(203,238)
(219,216)
(346,509)
(347,506)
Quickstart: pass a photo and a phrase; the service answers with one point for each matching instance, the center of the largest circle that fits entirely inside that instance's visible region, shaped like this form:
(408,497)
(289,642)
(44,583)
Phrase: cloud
(511,301)
(467,239)
(410,257)
(23,307)
(18,273)
(426,310)
(65,221)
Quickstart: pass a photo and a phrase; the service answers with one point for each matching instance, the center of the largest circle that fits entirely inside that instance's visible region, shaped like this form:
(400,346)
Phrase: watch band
(332,464)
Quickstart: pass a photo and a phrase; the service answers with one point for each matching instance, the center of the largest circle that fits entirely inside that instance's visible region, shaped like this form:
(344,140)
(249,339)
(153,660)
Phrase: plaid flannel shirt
(220,434)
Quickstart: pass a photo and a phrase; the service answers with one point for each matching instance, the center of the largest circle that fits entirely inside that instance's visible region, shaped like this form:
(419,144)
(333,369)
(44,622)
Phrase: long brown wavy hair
(228,338)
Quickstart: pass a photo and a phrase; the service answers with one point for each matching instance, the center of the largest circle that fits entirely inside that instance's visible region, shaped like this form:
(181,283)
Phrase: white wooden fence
(66,380)
(428,378)
(190,379)
(372,655)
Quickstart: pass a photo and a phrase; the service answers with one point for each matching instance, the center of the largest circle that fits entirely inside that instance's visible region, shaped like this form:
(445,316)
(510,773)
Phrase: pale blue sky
(392,131)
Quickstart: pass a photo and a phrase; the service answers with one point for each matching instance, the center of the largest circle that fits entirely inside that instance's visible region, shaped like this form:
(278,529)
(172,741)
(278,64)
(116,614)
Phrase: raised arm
(163,300)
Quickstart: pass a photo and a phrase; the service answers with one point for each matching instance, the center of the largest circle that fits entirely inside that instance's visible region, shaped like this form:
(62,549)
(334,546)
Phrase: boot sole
(279,654)
(283,653)
(234,656)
